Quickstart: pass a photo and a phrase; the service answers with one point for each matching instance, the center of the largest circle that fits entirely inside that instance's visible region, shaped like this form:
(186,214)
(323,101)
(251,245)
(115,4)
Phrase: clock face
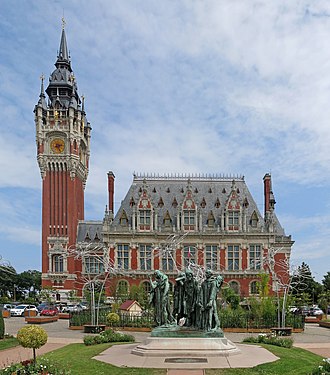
(57,145)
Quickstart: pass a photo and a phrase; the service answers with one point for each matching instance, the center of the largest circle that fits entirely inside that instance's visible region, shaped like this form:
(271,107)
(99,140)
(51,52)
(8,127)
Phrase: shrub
(32,337)
(108,336)
(2,326)
(270,339)
(112,318)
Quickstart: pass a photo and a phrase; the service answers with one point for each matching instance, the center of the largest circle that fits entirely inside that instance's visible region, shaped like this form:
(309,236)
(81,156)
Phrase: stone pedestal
(181,342)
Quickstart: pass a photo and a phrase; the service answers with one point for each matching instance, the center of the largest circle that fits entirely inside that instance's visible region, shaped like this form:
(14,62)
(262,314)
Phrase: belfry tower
(63,150)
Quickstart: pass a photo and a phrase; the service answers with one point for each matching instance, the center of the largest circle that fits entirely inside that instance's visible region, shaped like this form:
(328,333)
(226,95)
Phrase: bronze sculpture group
(194,305)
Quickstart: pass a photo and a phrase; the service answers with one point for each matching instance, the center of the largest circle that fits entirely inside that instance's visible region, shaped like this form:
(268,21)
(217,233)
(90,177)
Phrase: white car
(72,308)
(20,310)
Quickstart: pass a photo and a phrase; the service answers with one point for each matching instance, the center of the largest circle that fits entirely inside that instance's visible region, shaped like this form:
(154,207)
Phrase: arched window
(146,286)
(122,288)
(254,289)
(234,285)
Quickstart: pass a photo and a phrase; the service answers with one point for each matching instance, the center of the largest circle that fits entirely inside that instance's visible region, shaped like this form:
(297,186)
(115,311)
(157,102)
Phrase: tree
(326,282)
(29,281)
(303,282)
(8,278)
(32,337)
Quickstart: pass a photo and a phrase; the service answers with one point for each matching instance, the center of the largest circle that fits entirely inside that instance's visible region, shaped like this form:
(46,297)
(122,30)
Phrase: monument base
(182,342)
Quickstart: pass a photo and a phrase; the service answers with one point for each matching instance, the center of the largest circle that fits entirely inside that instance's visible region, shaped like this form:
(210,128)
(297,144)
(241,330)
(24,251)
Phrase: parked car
(6,306)
(20,310)
(315,311)
(42,306)
(49,311)
(82,305)
(72,308)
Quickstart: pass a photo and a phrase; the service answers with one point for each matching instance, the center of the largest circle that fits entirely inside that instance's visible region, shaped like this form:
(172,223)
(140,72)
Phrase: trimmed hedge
(108,336)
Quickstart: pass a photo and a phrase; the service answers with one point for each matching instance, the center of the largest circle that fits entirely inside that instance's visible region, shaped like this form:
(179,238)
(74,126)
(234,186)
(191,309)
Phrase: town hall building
(166,222)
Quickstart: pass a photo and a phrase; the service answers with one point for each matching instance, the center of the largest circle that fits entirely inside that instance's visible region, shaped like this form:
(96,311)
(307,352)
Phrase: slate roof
(91,230)
(206,192)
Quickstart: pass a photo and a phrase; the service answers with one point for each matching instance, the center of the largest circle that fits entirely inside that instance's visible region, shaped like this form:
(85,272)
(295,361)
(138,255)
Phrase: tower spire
(63,54)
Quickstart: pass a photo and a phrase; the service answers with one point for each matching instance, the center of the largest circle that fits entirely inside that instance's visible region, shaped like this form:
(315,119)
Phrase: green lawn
(294,361)
(8,343)
(78,358)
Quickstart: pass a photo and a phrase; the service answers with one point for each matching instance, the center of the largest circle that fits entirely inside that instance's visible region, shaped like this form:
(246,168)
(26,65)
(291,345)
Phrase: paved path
(315,339)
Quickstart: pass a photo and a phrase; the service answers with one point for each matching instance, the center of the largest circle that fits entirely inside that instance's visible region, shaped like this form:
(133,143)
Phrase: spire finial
(83,102)
(63,22)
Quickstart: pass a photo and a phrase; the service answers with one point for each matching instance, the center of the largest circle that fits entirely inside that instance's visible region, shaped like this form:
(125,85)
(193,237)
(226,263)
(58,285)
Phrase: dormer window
(189,212)
(145,217)
(217,203)
(145,221)
(203,204)
(233,218)
(160,202)
(254,220)
(210,220)
(167,220)
(123,219)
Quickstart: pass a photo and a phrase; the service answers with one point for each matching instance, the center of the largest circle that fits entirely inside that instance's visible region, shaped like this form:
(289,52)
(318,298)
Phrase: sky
(234,87)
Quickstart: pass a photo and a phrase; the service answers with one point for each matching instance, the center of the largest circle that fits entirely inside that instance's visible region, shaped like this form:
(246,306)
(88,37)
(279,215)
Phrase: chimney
(267,191)
(111,189)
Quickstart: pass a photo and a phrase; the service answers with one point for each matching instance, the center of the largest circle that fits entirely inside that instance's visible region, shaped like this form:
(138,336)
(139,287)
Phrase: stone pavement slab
(250,356)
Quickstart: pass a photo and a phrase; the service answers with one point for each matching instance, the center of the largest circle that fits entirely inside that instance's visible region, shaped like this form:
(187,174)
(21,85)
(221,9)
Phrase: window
(233,257)
(189,255)
(167,262)
(211,257)
(146,286)
(255,257)
(234,285)
(93,265)
(122,288)
(145,217)
(188,217)
(167,220)
(254,289)
(145,257)
(254,220)
(233,218)
(123,256)
(210,220)
(58,263)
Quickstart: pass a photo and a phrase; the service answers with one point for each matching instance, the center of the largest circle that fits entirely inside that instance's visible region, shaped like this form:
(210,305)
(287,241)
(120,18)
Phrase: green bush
(108,336)
(2,326)
(112,318)
(32,337)
(270,339)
